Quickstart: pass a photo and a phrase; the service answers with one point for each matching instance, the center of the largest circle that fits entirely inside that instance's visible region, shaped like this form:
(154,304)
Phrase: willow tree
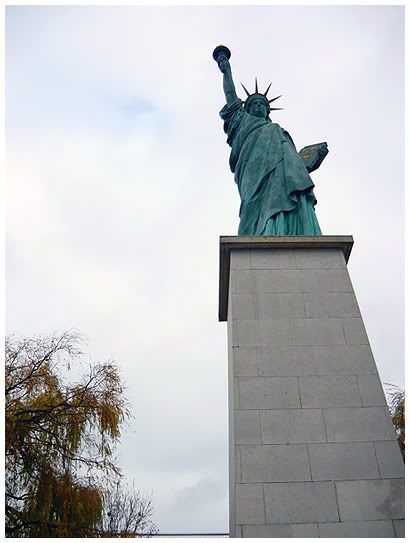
(59,438)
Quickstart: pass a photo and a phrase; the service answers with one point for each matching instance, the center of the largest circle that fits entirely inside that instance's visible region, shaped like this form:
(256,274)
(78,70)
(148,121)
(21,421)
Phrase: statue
(273,178)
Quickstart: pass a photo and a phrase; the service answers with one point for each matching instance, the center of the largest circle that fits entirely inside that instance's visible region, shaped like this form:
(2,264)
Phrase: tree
(60,438)
(127,513)
(396,401)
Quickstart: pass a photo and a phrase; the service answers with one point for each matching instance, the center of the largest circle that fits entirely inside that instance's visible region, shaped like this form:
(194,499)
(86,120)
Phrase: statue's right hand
(223,64)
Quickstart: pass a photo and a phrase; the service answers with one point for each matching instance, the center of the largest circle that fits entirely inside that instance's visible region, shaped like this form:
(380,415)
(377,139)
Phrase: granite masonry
(313,452)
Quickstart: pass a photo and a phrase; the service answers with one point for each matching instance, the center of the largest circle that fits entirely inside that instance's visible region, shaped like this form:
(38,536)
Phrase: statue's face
(258,108)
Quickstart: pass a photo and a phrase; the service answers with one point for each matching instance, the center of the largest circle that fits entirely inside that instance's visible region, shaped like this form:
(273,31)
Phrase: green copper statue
(273,178)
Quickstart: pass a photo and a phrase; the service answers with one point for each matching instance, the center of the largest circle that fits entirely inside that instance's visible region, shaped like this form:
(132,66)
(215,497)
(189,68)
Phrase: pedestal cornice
(227,243)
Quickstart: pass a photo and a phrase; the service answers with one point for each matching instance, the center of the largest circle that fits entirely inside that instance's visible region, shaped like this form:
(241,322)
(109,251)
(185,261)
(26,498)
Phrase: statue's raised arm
(273,179)
(222,55)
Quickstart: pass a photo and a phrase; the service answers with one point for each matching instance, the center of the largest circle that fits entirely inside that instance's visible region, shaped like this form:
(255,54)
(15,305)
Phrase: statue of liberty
(273,179)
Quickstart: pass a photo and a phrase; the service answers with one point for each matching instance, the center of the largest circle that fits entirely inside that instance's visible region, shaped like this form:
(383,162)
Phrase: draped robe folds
(274,184)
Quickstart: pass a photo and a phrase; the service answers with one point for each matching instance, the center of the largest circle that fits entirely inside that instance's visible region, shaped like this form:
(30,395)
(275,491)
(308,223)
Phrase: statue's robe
(274,184)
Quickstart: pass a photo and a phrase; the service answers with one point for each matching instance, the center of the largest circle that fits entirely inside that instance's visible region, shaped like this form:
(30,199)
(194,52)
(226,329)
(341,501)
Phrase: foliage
(396,401)
(59,438)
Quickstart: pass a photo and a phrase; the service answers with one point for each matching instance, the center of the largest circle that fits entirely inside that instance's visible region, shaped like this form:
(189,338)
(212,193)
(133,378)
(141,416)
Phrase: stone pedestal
(313,452)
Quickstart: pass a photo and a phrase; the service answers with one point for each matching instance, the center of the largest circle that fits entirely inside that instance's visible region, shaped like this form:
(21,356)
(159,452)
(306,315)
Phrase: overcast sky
(118,188)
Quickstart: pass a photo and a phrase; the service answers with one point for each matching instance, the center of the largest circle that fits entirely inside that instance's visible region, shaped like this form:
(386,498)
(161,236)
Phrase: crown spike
(247,93)
(256,86)
(276,97)
(267,90)
(275,108)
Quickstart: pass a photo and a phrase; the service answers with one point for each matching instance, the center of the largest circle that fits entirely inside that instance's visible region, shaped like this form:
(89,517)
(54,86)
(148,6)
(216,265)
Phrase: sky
(118,188)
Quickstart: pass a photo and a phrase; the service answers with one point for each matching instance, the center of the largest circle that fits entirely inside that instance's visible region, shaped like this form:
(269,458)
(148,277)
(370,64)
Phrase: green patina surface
(272,177)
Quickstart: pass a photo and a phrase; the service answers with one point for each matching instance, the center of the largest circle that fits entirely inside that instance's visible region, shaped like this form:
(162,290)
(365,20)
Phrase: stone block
(355,332)
(342,461)
(370,500)
(272,259)
(275,361)
(268,392)
(356,424)
(369,529)
(292,426)
(243,306)
(232,329)
(249,504)
(265,332)
(392,430)
(238,468)
(317,332)
(238,531)
(287,360)
(247,427)
(281,530)
(329,391)
(321,259)
(321,305)
(389,459)
(270,305)
(308,502)
(274,463)
(240,259)
(399,528)
(235,391)
(242,281)
(246,360)
(277,281)
(315,280)
(371,390)
(340,281)
(343,360)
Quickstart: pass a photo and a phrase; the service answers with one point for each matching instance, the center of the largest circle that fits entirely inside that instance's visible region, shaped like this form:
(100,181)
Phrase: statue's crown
(251,97)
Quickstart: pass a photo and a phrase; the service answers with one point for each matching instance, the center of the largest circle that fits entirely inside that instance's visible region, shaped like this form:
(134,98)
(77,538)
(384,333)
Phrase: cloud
(206,499)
